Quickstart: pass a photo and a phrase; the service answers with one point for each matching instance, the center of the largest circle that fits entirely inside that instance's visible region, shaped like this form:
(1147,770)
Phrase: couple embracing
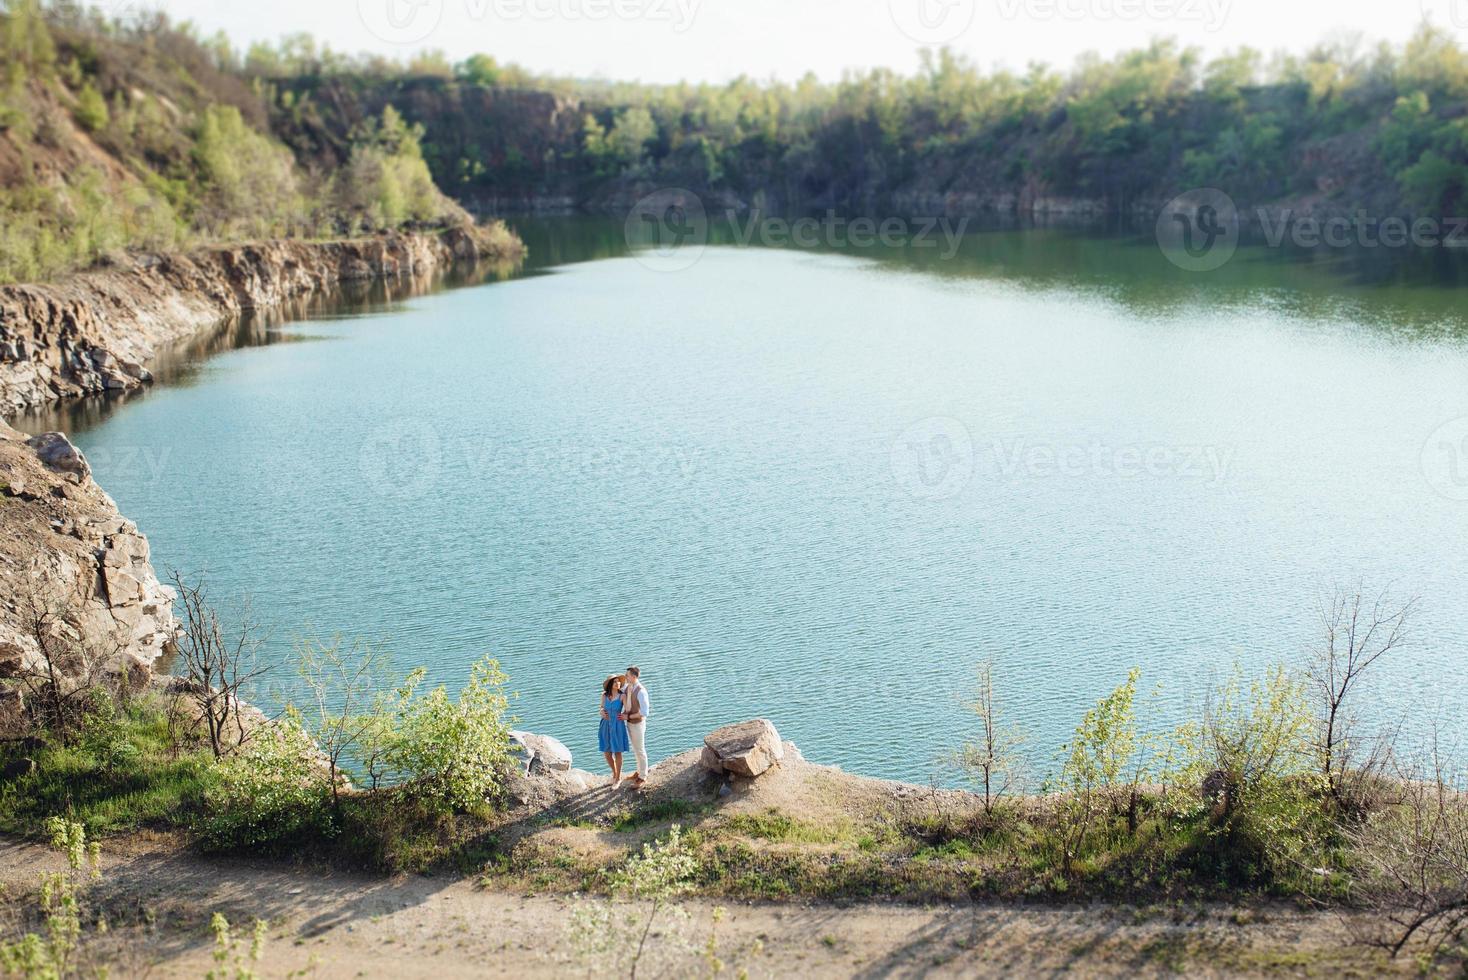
(624,711)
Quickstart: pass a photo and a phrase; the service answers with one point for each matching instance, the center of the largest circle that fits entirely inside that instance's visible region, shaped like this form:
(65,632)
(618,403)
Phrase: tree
(347,708)
(991,760)
(630,134)
(663,871)
(220,664)
(479,69)
(1356,635)
(1413,856)
(1252,757)
(1096,757)
(69,674)
(91,108)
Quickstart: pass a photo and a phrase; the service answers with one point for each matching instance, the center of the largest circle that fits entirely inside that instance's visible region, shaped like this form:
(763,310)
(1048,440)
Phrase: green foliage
(248,183)
(268,792)
(27,49)
(231,960)
(1256,747)
(52,955)
(125,773)
(454,754)
(386,182)
(665,869)
(91,109)
(478,69)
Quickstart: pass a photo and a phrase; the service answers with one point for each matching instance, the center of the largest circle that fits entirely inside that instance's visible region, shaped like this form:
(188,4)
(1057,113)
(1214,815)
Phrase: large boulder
(540,752)
(58,454)
(746,749)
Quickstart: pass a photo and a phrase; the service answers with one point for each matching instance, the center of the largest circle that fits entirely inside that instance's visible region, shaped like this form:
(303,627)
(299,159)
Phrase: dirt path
(417,926)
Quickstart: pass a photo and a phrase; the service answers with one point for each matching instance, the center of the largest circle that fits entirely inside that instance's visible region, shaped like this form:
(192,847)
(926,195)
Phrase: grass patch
(663,811)
(122,775)
(772,825)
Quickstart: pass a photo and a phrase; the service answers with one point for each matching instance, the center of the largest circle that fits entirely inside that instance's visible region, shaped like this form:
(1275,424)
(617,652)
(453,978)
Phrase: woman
(612,739)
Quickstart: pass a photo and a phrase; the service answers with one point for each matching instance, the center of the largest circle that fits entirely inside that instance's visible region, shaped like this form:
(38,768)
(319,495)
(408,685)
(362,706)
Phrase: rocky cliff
(75,575)
(96,331)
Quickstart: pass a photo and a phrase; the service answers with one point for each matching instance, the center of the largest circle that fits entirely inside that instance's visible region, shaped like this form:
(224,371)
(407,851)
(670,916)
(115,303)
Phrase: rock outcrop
(540,753)
(74,573)
(97,331)
(746,749)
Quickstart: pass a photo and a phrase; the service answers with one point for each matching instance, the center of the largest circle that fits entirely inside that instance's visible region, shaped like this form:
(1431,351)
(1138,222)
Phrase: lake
(820,485)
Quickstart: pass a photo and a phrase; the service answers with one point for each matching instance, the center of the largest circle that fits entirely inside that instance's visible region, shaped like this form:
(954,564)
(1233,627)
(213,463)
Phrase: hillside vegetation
(1341,127)
(141,133)
(118,135)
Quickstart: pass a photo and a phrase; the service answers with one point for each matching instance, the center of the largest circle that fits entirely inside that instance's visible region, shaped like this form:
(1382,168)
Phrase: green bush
(1254,752)
(91,109)
(454,754)
(248,181)
(268,793)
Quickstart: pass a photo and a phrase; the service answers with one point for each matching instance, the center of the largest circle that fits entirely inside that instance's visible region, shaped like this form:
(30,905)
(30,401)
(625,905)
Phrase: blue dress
(613,734)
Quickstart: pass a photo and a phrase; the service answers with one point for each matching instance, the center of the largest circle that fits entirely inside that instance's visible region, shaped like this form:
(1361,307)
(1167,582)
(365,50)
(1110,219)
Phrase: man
(635,712)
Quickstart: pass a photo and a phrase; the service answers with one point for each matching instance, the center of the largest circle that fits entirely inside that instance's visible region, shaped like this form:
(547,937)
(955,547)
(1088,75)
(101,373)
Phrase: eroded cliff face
(98,330)
(75,575)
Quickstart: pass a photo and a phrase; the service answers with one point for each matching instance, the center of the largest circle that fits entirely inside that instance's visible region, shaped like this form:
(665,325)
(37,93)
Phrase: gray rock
(57,452)
(746,749)
(540,752)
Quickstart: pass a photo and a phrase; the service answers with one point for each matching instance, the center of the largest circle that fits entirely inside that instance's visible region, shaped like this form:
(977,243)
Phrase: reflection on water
(182,363)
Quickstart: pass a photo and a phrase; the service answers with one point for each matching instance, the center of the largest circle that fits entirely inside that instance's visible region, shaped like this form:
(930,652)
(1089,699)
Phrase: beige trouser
(637,732)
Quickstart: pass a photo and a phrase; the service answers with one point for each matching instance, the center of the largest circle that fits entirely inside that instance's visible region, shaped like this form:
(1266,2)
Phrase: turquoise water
(818,487)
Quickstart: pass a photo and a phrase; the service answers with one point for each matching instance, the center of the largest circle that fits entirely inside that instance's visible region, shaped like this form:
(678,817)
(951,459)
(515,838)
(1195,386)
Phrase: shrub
(268,792)
(249,180)
(91,109)
(1252,759)
(454,754)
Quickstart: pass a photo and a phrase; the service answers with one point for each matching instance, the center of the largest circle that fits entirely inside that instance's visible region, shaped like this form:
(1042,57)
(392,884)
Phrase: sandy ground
(339,925)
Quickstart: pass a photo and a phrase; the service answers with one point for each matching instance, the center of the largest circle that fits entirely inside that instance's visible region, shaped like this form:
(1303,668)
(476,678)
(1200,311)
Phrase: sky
(716,40)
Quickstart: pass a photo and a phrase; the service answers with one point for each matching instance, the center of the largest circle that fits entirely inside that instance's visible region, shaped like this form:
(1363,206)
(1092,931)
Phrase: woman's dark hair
(606,689)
